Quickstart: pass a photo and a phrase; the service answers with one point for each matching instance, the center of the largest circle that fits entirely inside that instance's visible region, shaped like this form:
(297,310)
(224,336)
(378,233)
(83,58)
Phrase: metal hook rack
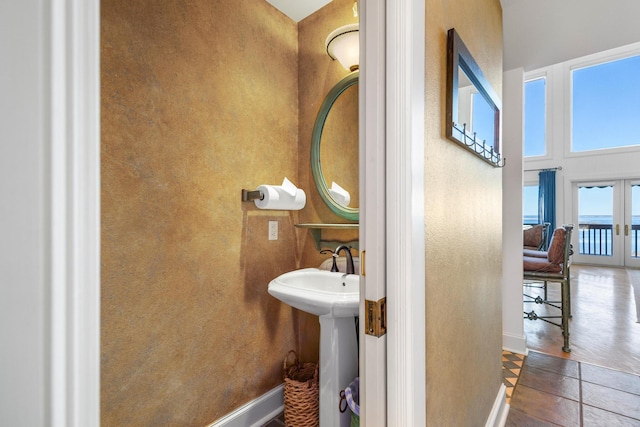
(479,147)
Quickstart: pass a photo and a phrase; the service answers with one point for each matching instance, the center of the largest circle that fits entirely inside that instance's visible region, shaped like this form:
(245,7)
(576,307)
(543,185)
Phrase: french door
(607,214)
(631,227)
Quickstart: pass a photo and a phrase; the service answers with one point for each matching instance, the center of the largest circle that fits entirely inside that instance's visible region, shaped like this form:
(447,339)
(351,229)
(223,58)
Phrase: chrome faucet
(350,268)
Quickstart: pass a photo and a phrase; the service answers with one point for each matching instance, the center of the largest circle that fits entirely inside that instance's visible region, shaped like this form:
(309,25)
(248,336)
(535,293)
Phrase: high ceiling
(538,33)
(298,9)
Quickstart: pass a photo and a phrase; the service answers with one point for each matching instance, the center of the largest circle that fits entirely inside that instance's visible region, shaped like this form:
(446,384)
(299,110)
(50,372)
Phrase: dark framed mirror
(473,107)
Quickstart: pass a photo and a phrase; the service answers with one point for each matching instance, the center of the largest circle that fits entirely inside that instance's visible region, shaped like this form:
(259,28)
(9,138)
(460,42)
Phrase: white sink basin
(320,292)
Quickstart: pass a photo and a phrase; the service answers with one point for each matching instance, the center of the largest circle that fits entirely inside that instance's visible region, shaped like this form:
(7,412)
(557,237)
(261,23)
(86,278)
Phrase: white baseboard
(266,407)
(255,413)
(515,343)
(500,410)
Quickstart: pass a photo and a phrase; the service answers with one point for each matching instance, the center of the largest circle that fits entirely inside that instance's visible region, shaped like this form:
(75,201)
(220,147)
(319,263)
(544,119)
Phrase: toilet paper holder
(251,195)
(285,197)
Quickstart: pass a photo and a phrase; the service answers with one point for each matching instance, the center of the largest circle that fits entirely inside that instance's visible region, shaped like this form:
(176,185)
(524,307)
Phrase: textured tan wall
(199,100)
(463,231)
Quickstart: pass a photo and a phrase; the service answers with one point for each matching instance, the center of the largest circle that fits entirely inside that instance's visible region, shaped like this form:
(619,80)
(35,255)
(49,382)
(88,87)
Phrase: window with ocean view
(595,218)
(605,105)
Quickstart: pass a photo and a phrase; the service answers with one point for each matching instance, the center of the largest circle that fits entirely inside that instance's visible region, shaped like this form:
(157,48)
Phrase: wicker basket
(301,392)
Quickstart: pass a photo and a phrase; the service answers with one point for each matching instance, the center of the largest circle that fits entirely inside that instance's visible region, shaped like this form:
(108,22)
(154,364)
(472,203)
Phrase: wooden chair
(551,266)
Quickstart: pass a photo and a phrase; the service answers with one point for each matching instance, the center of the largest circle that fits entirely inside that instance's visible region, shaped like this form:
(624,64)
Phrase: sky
(606,105)
(606,111)
(483,120)
(534,121)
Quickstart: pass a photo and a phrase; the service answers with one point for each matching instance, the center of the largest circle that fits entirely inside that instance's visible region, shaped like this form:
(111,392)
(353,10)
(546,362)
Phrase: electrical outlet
(273,230)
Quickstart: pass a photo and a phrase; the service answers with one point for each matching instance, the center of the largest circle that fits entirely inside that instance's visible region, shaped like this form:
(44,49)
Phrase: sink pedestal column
(338,367)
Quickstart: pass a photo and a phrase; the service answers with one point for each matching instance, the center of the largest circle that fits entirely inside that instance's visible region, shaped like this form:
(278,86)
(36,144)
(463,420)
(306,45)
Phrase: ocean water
(586,219)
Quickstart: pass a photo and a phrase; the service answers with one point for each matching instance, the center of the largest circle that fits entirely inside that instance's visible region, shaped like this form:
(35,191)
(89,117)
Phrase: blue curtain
(547,199)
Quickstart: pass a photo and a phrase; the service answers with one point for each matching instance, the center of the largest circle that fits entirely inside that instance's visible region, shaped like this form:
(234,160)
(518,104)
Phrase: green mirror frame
(345,212)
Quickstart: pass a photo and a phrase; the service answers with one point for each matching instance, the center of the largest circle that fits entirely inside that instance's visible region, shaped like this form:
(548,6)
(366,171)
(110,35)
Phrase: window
(530,205)
(605,105)
(535,118)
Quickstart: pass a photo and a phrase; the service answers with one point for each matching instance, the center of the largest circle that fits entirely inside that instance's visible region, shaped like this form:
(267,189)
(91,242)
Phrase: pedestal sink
(334,298)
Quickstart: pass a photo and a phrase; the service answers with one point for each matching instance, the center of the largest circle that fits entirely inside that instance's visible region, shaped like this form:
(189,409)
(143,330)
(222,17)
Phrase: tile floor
(511,367)
(555,391)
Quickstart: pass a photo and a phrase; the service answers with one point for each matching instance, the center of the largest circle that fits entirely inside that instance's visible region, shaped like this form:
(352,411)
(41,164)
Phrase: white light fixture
(343,44)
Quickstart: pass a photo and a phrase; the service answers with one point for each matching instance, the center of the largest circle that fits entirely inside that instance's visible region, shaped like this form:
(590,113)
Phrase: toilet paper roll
(276,197)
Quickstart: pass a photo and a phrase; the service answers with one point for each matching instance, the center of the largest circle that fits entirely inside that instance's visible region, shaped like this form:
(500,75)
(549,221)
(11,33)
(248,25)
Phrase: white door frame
(628,260)
(73,110)
(396,62)
(405,213)
(392,368)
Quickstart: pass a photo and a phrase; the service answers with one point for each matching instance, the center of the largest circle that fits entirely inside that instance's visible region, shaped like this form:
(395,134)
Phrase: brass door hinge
(376,317)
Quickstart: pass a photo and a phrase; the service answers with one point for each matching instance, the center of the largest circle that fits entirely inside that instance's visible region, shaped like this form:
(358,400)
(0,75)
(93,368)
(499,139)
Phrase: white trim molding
(257,412)
(500,410)
(515,343)
(74,206)
(513,336)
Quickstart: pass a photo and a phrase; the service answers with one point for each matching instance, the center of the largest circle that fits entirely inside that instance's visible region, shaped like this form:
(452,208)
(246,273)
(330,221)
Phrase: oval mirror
(334,149)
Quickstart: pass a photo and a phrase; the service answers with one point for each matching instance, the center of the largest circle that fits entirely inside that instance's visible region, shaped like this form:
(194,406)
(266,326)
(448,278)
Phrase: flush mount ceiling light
(343,44)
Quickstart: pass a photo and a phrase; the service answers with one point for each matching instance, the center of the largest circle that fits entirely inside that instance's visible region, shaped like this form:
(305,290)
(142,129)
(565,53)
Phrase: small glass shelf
(316,231)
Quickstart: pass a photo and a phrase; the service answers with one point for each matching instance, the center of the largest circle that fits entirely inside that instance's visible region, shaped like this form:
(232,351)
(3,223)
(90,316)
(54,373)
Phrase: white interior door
(373,350)
(392,367)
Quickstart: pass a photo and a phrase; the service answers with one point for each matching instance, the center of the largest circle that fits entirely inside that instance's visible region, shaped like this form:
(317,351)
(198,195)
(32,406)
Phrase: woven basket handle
(296,363)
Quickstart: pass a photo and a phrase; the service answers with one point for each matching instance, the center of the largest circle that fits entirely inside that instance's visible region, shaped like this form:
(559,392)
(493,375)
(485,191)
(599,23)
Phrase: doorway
(73,394)
(608,218)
